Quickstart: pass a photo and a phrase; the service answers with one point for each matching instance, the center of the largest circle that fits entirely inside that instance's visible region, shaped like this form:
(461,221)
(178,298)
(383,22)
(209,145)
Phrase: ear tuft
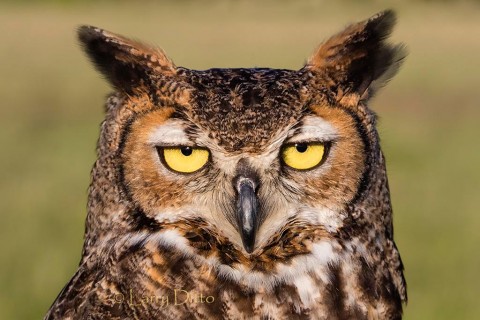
(124,62)
(358,59)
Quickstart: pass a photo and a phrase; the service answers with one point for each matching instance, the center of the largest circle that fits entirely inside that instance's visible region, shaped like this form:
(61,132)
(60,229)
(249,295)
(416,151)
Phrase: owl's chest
(176,283)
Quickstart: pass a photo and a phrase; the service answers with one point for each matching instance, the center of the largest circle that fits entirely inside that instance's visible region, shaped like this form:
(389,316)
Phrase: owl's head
(244,161)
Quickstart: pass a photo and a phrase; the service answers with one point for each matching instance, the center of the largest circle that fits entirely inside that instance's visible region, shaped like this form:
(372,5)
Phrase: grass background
(51,106)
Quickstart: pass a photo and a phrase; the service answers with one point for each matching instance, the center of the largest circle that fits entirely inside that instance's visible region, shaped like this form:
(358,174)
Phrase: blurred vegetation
(51,107)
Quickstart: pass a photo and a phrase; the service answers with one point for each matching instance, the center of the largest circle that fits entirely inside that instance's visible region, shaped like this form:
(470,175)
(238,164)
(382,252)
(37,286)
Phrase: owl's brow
(171,132)
(312,128)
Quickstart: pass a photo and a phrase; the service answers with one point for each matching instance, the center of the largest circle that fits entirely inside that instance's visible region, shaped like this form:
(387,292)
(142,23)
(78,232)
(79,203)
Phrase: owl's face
(252,155)
(247,153)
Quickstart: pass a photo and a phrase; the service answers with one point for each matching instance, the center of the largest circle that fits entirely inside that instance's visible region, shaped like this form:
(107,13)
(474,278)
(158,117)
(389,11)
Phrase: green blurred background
(51,105)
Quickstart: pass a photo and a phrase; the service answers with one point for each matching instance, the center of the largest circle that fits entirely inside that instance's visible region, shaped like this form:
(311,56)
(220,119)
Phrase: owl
(240,193)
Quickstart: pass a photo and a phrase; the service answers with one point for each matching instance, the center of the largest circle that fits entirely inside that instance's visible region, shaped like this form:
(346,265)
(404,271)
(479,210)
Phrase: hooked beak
(247,211)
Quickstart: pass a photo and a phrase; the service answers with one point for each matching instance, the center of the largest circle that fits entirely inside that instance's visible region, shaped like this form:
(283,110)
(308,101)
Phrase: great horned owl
(240,193)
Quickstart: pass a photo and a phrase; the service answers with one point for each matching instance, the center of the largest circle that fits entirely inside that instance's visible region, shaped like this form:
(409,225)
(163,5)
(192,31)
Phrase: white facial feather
(170,133)
(314,129)
(328,218)
(173,215)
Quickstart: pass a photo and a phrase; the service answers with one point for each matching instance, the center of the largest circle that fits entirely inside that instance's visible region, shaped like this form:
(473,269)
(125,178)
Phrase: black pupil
(186,151)
(301,147)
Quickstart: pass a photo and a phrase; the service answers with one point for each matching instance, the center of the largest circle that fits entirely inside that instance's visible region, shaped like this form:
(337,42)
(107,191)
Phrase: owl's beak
(247,211)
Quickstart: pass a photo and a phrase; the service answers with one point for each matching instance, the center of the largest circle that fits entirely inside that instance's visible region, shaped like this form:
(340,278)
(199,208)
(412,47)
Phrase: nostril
(242,182)
(245,175)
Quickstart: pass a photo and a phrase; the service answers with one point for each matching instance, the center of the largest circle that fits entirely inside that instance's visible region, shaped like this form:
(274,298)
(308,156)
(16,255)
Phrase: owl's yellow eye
(184,159)
(303,156)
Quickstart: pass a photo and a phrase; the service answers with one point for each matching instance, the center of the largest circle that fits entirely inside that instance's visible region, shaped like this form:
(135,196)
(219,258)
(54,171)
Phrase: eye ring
(183,159)
(297,156)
